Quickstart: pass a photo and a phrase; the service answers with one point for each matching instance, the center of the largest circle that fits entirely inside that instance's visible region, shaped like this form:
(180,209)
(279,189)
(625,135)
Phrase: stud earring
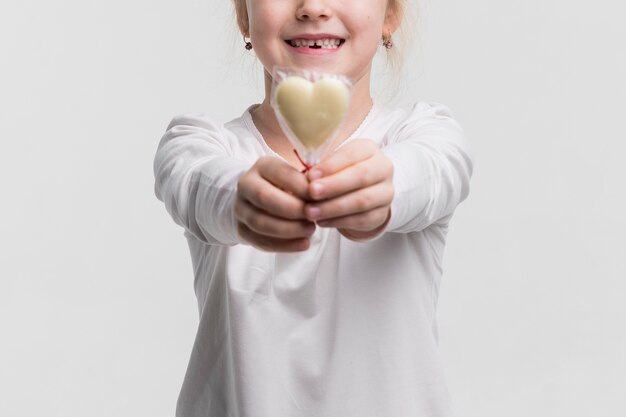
(248,43)
(387,43)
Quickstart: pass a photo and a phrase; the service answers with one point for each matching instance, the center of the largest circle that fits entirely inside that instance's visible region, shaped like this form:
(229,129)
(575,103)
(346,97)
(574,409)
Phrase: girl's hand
(269,207)
(352,190)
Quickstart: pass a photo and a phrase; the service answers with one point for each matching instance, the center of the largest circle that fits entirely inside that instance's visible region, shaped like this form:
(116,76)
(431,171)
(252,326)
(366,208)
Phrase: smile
(325,43)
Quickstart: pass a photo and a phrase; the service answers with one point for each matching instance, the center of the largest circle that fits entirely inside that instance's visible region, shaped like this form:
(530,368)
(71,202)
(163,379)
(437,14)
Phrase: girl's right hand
(269,207)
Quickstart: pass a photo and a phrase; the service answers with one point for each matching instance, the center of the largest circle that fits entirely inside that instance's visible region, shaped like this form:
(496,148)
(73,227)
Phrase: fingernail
(314,212)
(303,244)
(316,189)
(315,174)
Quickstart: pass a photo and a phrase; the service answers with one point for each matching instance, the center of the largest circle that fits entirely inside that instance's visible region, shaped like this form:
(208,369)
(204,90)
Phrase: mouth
(321,43)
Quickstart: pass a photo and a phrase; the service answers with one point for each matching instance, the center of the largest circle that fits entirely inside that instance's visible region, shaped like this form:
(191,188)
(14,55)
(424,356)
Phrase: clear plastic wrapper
(310,107)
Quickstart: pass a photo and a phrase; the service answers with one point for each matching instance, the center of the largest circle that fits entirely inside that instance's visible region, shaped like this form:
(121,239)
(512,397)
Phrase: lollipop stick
(306,166)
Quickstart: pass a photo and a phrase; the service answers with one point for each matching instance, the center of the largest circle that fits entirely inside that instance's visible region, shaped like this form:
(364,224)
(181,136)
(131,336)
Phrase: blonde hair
(391,76)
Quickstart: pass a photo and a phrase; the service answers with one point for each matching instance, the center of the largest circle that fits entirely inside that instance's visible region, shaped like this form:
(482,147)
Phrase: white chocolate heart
(312,110)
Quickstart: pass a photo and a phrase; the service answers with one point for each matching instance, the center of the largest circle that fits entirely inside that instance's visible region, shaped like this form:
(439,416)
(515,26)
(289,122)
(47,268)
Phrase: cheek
(260,28)
(368,37)
(368,24)
(267,17)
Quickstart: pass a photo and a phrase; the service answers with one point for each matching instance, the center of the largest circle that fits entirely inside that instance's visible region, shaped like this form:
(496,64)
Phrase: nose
(313,10)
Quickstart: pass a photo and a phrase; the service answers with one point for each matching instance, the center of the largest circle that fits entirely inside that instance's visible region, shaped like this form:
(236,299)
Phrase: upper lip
(314,36)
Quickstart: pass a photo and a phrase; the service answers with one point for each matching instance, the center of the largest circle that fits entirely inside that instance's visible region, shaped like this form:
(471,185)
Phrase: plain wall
(97,310)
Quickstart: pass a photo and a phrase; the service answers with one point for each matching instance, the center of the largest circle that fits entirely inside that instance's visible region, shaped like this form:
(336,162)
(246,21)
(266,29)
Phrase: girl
(317,292)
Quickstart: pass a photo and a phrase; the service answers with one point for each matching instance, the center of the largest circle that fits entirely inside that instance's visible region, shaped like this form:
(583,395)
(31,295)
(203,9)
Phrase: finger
(360,175)
(349,154)
(267,197)
(284,176)
(265,224)
(359,201)
(366,221)
(272,244)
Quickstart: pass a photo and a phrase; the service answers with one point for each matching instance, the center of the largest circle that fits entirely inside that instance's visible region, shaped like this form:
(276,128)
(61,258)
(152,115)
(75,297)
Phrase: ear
(241,10)
(394,15)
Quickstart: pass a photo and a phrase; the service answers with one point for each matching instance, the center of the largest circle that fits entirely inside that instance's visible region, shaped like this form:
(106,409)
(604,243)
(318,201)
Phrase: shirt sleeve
(196,177)
(433,164)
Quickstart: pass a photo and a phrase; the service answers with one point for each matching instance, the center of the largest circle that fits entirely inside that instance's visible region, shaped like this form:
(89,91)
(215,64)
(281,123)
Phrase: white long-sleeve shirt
(344,329)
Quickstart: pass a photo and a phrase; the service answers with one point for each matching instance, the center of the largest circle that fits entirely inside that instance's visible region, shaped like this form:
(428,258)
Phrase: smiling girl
(317,292)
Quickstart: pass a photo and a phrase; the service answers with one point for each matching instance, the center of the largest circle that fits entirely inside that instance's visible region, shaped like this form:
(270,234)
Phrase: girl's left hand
(352,190)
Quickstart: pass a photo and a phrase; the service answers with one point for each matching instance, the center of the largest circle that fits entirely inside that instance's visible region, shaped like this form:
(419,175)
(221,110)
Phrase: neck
(360,105)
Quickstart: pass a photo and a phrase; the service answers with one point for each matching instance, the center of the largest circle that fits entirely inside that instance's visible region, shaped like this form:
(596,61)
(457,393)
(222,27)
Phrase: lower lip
(314,51)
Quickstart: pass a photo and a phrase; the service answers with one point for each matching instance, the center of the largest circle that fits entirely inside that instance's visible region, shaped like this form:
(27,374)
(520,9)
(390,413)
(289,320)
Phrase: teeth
(323,43)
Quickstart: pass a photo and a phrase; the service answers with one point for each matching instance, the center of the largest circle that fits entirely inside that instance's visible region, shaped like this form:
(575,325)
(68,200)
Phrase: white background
(97,310)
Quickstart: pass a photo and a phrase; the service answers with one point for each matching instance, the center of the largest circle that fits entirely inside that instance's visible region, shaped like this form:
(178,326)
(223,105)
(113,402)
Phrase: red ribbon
(307,167)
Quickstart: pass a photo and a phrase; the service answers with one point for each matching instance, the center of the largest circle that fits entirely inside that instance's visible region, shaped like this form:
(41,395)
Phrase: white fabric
(344,329)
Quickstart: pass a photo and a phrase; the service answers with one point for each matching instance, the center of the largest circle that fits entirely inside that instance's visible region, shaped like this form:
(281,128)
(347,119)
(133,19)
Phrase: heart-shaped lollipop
(313,110)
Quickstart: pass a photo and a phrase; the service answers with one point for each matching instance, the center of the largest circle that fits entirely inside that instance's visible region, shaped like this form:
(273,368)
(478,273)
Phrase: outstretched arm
(225,200)
(433,166)
(416,180)
(196,177)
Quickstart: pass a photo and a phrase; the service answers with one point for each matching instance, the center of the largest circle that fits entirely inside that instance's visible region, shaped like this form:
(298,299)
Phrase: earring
(248,43)
(387,43)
